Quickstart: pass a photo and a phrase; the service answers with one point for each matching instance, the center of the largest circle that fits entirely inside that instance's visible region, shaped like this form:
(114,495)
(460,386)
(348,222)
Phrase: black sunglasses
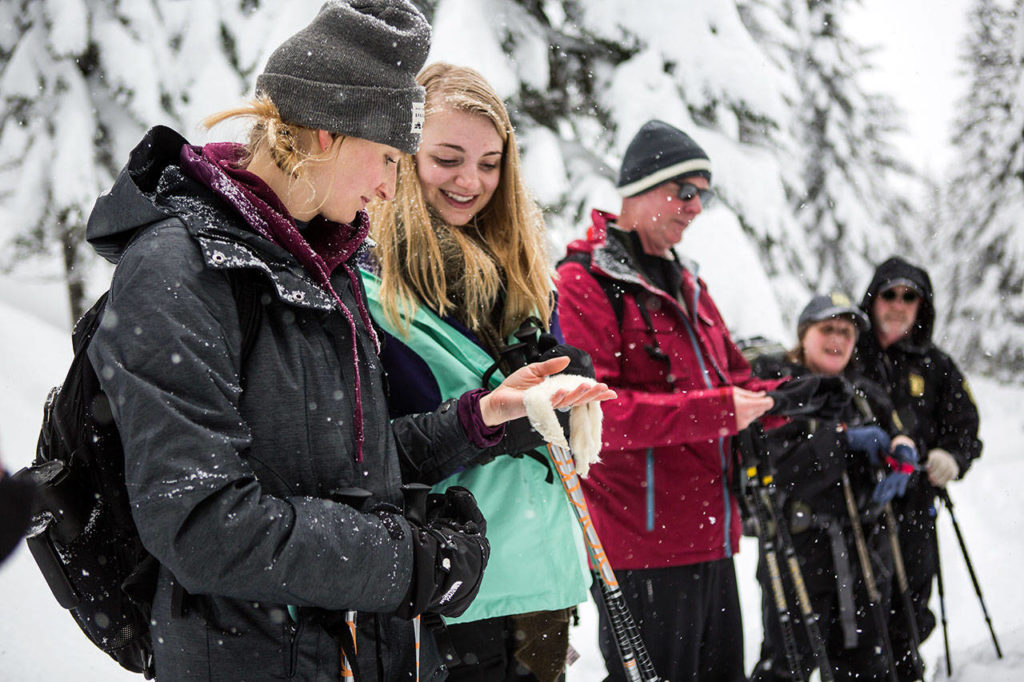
(688,190)
(890,295)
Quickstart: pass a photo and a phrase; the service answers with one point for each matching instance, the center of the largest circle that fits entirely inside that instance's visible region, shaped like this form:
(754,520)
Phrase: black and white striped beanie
(659,153)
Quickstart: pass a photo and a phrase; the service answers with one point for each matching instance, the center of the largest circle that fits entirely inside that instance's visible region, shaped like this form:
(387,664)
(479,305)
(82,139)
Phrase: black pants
(689,618)
(501,649)
(921,557)
(859,659)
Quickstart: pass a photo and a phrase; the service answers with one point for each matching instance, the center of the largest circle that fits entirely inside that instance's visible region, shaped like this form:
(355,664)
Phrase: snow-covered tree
(844,201)
(755,82)
(768,87)
(985,275)
(81,81)
(76,77)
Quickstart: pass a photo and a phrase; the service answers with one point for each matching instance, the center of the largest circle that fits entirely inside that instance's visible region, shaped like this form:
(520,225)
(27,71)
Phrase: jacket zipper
(650,490)
(726,546)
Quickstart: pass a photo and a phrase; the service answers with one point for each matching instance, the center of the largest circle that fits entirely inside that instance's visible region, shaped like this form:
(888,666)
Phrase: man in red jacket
(661,500)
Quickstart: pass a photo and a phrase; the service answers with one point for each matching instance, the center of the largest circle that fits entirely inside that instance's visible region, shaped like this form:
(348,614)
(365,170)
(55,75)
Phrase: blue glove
(902,464)
(870,440)
(889,487)
(903,454)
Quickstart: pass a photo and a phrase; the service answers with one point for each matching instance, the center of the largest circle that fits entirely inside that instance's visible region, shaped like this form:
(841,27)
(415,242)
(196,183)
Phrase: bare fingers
(582,394)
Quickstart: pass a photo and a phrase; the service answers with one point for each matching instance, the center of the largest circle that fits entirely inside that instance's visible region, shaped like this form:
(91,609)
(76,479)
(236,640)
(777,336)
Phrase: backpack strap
(613,289)
(616,291)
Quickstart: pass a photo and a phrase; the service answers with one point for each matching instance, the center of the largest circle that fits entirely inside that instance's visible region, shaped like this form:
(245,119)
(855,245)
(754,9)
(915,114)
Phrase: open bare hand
(505,402)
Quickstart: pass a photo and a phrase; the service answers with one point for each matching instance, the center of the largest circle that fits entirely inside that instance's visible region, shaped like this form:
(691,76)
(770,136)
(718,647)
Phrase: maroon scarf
(329,245)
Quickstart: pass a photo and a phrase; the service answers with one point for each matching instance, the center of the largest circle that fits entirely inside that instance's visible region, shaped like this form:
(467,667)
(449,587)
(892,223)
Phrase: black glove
(824,397)
(16,496)
(450,553)
(580,363)
(519,438)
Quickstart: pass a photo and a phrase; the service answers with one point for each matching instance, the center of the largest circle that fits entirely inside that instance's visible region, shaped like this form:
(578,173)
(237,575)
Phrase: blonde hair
(510,226)
(287,143)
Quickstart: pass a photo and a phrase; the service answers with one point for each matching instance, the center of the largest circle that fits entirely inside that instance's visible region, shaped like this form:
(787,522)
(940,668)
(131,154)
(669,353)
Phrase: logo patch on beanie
(417,118)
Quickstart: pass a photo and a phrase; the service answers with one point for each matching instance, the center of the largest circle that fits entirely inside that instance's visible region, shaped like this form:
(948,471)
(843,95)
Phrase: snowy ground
(38,641)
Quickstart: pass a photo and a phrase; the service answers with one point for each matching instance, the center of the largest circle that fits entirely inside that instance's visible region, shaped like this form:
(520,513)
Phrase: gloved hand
(580,363)
(902,463)
(450,553)
(16,495)
(812,394)
(942,467)
(870,440)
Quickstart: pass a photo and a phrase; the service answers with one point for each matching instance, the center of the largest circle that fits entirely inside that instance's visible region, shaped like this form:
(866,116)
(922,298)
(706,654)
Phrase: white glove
(584,420)
(942,467)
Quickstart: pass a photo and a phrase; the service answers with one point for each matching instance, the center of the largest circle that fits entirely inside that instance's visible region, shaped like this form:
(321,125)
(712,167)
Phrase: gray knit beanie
(353,71)
(658,153)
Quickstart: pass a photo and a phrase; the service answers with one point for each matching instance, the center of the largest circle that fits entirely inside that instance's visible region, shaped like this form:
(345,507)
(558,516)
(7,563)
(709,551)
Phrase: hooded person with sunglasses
(661,499)
(934,406)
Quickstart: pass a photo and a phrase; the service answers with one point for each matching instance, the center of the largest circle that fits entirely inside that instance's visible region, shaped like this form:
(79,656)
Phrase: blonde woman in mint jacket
(460,266)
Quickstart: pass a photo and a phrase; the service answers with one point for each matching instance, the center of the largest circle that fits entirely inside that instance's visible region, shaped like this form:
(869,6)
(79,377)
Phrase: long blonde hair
(510,226)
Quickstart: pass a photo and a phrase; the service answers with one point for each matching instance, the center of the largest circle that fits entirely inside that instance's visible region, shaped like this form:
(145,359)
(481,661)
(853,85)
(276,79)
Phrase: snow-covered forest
(813,192)
(809,178)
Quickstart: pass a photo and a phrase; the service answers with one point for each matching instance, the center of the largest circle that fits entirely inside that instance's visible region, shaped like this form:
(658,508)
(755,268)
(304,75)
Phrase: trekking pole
(944,496)
(874,596)
(942,606)
(636,661)
(767,543)
(903,583)
(415,496)
(810,617)
(355,498)
(768,495)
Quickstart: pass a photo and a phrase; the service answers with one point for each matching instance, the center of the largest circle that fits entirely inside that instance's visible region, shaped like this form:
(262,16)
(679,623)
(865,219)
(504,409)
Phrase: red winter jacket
(661,496)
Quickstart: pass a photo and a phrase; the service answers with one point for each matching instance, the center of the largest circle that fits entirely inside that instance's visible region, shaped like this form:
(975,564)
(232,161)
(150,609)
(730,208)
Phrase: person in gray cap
(661,500)
(813,459)
(935,406)
(241,364)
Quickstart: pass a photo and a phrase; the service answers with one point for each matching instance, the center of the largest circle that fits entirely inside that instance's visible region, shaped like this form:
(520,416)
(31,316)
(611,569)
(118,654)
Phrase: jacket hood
(898,271)
(130,204)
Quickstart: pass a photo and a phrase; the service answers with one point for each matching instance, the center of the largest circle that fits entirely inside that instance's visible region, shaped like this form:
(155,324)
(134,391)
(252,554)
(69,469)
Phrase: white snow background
(38,641)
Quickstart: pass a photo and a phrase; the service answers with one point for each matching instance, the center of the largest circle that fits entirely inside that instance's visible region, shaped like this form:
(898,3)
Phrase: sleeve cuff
(480,434)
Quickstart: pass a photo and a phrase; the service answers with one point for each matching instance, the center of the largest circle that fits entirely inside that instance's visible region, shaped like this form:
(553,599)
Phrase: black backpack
(83,537)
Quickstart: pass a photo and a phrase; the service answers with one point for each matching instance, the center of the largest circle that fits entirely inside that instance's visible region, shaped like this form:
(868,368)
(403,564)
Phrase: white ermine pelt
(584,420)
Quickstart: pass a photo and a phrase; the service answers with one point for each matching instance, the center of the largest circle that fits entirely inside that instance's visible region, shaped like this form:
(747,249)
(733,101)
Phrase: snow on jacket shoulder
(230,488)
(661,496)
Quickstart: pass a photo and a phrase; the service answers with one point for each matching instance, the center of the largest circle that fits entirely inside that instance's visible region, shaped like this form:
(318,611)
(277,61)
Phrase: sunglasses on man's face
(688,190)
(890,295)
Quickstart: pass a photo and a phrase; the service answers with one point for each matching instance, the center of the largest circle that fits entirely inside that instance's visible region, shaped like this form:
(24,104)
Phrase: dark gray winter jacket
(229,487)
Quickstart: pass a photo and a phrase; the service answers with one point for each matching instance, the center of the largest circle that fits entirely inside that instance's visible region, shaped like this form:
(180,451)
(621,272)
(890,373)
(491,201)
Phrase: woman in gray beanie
(236,349)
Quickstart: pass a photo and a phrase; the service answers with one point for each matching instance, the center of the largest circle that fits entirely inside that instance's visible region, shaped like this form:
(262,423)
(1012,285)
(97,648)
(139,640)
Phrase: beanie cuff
(391,116)
(688,167)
